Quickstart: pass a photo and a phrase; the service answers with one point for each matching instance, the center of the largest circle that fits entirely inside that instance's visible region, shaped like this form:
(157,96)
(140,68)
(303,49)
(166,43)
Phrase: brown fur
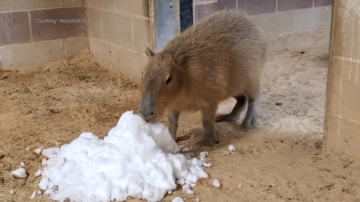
(220,57)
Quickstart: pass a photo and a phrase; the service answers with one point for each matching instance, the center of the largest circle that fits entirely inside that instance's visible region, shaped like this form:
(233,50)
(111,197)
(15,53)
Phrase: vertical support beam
(167,21)
(342,114)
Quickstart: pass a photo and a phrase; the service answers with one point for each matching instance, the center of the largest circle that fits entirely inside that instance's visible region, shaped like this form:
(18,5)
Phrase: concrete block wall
(342,115)
(38,31)
(120,32)
(276,17)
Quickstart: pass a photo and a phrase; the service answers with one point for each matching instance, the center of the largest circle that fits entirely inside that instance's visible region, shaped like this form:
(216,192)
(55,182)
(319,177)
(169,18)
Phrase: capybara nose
(147,115)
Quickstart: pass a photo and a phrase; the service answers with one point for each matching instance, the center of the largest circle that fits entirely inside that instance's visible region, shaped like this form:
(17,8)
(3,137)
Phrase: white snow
(203,155)
(38,150)
(38,173)
(216,183)
(185,149)
(19,173)
(33,195)
(12,192)
(136,159)
(50,152)
(197,199)
(186,188)
(22,164)
(178,199)
(232,148)
(206,164)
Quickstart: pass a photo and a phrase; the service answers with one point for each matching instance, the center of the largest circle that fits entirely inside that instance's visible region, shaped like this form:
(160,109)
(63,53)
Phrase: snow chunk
(178,199)
(216,183)
(136,159)
(33,195)
(38,173)
(19,173)
(22,164)
(232,148)
(38,150)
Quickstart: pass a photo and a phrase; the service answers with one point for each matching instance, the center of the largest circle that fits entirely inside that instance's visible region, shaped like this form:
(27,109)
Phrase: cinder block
(127,62)
(347,34)
(116,28)
(13,5)
(106,4)
(133,7)
(311,19)
(72,2)
(60,28)
(14,28)
(350,96)
(141,34)
(32,53)
(333,87)
(283,23)
(93,28)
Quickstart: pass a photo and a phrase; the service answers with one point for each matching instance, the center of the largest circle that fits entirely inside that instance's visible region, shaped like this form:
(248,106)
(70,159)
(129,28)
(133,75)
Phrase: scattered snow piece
(33,195)
(38,173)
(186,188)
(170,192)
(44,183)
(11,191)
(19,173)
(193,185)
(136,159)
(185,149)
(43,162)
(27,148)
(206,164)
(178,199)
(22,164)
(38,192)
(203,155)
(50,152)
(38,150)
(232,148)
(240,186)
(216,183)
(197,199)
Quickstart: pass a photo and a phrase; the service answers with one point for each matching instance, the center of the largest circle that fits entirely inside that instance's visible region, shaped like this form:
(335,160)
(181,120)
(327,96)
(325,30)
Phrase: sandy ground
(278,161)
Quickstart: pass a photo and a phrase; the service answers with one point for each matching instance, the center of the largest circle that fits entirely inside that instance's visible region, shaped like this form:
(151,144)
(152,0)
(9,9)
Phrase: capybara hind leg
(251,114)
(208,116)
(236,111)
(173,123)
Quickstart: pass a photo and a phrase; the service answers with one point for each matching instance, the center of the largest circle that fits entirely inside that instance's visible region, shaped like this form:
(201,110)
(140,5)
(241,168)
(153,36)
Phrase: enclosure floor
(278,161)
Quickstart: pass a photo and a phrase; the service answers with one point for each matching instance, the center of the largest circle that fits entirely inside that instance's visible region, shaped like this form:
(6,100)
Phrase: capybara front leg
(173,122)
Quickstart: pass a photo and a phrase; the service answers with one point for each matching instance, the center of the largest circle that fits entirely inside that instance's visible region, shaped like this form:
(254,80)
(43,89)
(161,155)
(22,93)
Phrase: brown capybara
(220,57)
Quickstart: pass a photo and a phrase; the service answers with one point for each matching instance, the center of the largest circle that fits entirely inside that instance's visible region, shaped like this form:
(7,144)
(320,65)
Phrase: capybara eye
(168,79)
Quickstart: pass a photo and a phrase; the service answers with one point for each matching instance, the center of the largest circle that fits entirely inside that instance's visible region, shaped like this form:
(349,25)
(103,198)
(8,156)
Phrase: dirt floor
(278,161)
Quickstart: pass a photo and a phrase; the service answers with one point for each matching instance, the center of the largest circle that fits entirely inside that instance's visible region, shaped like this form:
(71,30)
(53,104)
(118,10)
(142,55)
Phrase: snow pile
(136,159)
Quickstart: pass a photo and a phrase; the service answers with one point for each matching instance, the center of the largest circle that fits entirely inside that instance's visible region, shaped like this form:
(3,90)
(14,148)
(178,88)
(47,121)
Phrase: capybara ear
(179,57)
(149,52)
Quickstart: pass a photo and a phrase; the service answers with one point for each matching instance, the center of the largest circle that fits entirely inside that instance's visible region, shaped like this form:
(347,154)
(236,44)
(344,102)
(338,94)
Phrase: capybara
(221,56)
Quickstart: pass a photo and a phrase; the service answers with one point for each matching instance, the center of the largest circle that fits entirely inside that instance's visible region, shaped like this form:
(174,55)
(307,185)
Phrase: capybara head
(162,82)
